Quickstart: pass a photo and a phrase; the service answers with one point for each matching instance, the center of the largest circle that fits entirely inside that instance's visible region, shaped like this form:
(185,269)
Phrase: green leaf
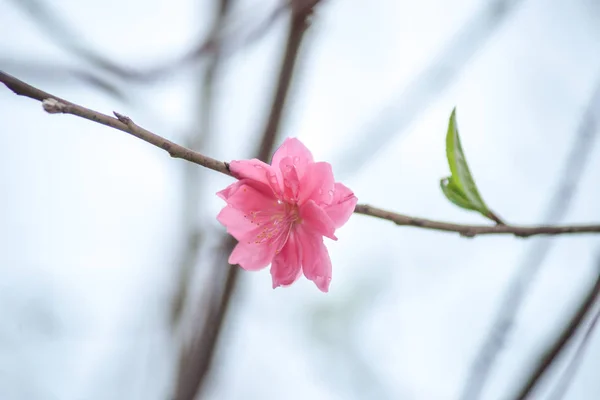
(460,187)
(454,194)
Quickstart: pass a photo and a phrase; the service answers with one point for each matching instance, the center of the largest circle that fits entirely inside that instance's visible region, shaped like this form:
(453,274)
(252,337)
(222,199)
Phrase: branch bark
(54,105)
(563,339)
(563,384)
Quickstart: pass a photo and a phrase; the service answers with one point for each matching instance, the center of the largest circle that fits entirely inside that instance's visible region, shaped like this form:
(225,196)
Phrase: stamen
(277,225)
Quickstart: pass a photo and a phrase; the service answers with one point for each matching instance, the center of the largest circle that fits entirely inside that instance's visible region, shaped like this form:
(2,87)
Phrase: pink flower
(279,214)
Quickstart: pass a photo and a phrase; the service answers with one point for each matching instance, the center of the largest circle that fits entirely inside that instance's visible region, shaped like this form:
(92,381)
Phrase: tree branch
(192,378)
(200,135)
(474,230)
(196,349)
(54,105)
(553,352)
(563,385)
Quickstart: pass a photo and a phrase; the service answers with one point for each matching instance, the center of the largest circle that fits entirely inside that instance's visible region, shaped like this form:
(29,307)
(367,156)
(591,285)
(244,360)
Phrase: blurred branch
(556,210)
(62,73)
(424,89)
(54,105)
(60,31)
(191,187)
(196,364)
(563,385)
(191,353)
(553,352)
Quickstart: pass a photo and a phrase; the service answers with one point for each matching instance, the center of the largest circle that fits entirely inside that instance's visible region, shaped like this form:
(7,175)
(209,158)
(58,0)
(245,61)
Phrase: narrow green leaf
(460,187)
(461,174)
(454,194)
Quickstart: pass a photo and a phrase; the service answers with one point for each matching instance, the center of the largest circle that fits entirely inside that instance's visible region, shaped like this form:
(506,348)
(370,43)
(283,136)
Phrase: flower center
(275,226)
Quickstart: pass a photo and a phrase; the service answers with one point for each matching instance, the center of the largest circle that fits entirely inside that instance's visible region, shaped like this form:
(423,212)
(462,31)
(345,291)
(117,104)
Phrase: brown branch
(563,385)
(474,230)
(555,349)
(195,367)
(56,105)
(125,124)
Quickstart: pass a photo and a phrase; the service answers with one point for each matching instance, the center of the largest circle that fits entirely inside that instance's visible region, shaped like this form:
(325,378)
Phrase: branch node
(53,106)
(123,118)
(491,215)
(168,147)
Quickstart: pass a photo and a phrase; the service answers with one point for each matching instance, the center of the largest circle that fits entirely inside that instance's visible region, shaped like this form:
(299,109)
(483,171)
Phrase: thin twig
(125,124)
(558,205)
(553,352)
(473,230)
(55,105)
(563,384)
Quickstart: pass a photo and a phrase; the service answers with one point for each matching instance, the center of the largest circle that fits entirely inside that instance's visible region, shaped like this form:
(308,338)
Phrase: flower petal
(237,226)
(316,263)
(291,182)
(342,205)
(243,196)
(316,219)
(229,190)
(257,171)
(252,257)
(292,147)
(286,266)
(317,184)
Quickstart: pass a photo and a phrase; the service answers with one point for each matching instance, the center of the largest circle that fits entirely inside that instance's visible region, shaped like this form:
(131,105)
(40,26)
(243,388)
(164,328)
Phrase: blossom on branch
(279,214)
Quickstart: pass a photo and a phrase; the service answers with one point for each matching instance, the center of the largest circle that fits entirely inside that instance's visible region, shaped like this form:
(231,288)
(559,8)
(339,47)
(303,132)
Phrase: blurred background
(113,275)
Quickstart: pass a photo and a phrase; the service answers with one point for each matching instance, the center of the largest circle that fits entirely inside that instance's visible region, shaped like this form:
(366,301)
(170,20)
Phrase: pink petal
(317,184)
(285,268)
(237,224)
(316,263)
(342,206)
(247,198)
(229,190)
(252,257)
(298,152)
(316,219)
(291,182)
(257,171)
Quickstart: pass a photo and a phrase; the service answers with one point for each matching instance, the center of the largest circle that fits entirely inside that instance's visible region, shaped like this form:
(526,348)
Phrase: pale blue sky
(90,220)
